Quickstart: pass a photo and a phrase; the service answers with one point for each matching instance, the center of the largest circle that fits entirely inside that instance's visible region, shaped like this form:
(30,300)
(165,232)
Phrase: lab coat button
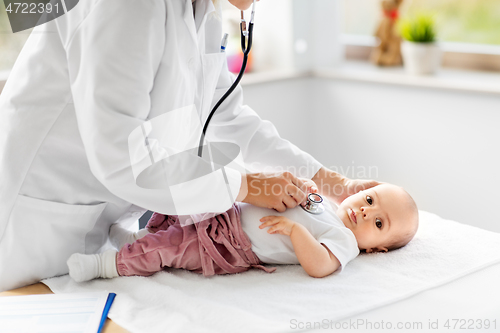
(191,63)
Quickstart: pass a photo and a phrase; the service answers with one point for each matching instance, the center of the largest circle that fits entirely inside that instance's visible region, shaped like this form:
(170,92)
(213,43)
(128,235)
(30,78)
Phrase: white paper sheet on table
(76,313)
(254,301)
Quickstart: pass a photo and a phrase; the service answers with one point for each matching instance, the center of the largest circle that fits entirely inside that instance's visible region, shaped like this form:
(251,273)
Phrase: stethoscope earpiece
(314,204)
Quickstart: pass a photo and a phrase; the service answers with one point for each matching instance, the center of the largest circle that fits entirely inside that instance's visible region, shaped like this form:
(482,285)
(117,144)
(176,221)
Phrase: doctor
(82,85)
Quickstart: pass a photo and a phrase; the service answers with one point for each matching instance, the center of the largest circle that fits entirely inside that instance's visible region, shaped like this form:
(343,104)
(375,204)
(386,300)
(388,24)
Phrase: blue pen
(223,43)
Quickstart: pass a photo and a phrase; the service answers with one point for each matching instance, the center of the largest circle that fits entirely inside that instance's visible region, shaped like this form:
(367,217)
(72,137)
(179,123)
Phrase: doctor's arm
(313,256)
(262,150)
(336,187)
(262,147)
(277,191)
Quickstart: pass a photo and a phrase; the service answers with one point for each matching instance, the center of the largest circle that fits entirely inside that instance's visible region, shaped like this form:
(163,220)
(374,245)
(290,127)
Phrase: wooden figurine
(388,52)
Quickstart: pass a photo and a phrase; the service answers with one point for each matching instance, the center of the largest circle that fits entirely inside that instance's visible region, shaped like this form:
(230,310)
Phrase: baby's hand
(278,224)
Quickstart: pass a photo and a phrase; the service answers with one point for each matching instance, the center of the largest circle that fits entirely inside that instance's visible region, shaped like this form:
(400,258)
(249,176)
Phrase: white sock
(141,233)
(120,236)
(85,267)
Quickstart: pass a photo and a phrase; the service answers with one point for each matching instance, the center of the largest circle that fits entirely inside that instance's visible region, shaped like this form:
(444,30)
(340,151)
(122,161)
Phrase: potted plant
(421,53)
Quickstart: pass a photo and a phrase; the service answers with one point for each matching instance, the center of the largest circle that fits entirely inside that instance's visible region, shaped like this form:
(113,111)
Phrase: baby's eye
(378,223)
(369,200)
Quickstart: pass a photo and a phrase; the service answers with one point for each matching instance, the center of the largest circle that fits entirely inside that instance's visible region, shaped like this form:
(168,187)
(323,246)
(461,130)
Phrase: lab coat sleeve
(113,56)
(263,148)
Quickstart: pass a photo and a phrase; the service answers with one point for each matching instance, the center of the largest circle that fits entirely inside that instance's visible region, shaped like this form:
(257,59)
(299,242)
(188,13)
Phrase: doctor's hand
(337,187)
(311,188)
(353,186)
(276,191)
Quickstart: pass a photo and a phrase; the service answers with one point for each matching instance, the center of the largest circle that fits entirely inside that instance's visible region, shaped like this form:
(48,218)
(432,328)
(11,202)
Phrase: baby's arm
(313,256)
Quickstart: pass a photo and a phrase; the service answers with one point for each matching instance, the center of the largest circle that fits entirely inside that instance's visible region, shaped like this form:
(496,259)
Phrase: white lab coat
(80,86)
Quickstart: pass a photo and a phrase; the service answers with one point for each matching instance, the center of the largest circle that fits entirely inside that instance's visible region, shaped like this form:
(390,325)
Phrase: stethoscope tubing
(246,46)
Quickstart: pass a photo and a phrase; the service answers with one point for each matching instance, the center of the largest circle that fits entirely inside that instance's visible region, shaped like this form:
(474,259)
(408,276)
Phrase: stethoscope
(245,47)
(314,203)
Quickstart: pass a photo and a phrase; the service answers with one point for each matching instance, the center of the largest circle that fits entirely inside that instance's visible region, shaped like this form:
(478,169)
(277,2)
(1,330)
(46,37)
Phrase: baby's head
(382,218)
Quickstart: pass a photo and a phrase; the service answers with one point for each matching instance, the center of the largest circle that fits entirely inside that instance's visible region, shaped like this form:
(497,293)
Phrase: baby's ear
(376,250)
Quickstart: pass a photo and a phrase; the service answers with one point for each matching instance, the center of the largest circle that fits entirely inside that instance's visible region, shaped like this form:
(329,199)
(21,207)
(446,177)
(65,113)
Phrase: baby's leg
(119,236)
(159,222)
(85,267)
(176,247)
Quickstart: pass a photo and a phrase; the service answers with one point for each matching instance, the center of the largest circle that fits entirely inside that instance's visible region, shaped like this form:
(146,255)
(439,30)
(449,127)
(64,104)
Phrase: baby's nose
(366,212)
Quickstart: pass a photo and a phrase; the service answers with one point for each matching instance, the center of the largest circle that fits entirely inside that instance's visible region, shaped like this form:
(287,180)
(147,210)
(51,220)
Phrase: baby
(378,219)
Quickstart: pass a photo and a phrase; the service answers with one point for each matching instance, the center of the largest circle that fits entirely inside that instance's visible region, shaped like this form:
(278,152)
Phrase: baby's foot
(85,267)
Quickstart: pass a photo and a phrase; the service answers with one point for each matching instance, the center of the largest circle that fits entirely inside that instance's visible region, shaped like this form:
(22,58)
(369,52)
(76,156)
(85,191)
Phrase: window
(463,21)
(463,26)
(10,44)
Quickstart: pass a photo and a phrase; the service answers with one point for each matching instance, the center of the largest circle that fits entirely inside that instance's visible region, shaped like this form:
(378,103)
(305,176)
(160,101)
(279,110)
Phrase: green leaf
(418,29)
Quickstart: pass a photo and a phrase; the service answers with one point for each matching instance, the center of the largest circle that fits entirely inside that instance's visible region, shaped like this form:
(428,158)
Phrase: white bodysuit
(327,228)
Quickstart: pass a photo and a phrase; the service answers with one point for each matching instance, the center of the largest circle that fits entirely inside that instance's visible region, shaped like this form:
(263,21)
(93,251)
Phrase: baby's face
(377,216)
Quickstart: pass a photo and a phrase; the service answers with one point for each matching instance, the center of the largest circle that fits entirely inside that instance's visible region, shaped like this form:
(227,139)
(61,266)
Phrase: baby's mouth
(352,216)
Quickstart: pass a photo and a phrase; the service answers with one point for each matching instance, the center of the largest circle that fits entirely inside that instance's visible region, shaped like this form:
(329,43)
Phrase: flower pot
(421,58)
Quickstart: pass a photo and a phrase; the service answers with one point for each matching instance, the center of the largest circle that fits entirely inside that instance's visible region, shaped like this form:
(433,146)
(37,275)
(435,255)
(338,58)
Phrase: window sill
(248,79)
(272,76)
(449,79)
(446,78)
(457,55)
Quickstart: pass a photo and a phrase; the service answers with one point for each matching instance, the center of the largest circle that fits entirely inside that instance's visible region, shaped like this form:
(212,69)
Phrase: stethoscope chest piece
(314,204)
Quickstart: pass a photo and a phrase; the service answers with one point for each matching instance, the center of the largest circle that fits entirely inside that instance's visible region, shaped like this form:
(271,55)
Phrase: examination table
(449,271)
